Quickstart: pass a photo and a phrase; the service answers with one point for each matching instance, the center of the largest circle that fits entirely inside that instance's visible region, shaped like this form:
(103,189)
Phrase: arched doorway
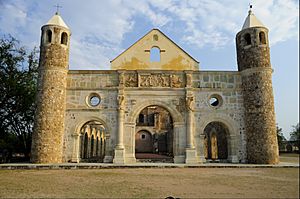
(216,142)
(92,142)
(154,135)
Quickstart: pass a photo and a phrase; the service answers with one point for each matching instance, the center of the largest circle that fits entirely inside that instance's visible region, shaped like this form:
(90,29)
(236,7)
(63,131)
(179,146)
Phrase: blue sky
(206,29)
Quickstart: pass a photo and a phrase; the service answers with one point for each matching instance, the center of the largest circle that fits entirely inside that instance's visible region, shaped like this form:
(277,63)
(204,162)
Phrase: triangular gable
(137,56)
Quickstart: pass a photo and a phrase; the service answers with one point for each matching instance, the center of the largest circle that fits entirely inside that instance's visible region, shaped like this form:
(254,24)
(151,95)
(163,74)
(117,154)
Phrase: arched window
(49,36)
(64,38)
(155,54)
(155,37)
(141,118)
(262,38)
(247,38)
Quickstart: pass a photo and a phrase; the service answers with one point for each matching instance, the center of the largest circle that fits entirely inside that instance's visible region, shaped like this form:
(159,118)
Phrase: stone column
(189,129)
(119,149)
(120,144)
(89,132)
(190,152)
(76,148)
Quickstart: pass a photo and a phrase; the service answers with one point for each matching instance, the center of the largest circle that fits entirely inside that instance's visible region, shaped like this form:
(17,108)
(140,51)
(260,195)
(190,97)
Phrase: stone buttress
(253,57)
(51,98)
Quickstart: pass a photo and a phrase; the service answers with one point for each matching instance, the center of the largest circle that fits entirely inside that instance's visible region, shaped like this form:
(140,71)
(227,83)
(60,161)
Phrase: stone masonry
(255,67)
(51,98)
(219,116)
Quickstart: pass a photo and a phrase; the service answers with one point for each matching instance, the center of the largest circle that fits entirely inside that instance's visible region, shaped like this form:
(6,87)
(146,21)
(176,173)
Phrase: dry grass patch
(153,183)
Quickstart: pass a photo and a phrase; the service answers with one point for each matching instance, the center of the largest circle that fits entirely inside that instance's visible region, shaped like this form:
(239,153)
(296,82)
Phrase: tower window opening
(155,54)
(262,38)
(49,36)
(155,37)
(64,38)
(247,38)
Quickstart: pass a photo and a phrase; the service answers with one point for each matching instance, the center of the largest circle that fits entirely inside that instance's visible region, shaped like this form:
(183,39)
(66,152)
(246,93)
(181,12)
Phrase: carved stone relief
(176,81)
(190,103)
(180,106)
(131,80)
(188,80)
(154,80)
(151,80)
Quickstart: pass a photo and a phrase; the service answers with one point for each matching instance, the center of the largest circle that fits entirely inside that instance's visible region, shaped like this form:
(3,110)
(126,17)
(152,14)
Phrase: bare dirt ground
(152,183)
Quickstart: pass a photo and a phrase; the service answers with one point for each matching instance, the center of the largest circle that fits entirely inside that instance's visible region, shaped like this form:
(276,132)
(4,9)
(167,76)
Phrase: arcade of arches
(154,132)
(92,142)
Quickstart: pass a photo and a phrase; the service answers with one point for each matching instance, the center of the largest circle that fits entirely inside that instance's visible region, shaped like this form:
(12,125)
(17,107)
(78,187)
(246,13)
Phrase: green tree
(280,137)
(295,136)
(18,82)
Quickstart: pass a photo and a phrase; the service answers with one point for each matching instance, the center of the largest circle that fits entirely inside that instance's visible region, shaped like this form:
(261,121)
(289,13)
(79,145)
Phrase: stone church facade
(163,105)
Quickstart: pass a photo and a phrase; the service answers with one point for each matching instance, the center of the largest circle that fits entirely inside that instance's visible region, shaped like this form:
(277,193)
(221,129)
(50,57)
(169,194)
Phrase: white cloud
(98,29)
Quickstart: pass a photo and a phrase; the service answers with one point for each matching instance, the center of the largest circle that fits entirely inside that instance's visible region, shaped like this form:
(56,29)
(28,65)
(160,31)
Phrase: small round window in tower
(94,100)
(215,101)
(143,136)
(155,37)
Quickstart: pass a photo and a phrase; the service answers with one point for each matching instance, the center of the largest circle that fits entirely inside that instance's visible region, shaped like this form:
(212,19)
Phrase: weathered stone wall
(255,54)
(168,90)
(81,85)
(226,86)
(256,72)
(51,98)
(262,145)
(137,56)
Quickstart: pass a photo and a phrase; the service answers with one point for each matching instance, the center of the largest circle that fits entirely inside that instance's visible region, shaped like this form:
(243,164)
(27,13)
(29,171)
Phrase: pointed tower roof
(251,21)
(57,20)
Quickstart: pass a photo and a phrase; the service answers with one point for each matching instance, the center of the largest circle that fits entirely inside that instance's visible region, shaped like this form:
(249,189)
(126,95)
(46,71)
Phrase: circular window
(215,101)
(94,100)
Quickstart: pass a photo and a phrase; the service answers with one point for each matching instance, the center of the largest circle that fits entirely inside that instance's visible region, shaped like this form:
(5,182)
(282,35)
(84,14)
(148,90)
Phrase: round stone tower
(253,57)
(47,138)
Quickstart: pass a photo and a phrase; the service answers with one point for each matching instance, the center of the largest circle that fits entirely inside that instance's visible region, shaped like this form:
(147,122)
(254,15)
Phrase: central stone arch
(179,129)
(176,115)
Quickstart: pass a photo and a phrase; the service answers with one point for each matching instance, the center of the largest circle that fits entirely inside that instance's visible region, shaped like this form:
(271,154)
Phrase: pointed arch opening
(155,54)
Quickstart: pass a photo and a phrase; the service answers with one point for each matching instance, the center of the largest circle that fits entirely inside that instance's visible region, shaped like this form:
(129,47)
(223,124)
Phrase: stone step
(160,160)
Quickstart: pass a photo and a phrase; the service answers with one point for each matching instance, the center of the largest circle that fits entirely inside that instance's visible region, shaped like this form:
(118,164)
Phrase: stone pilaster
(119,157)
(190,152)
(76,148)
